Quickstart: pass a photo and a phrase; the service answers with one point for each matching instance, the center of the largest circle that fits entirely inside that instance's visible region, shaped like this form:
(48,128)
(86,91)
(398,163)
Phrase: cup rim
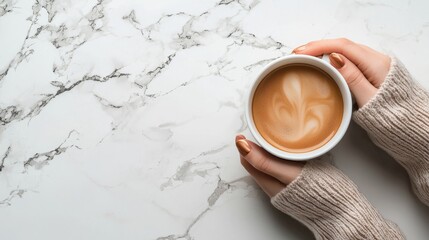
(342,85)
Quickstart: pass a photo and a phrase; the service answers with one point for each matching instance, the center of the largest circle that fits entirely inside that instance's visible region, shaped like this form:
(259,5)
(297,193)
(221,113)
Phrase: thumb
(283,170)
(361,88)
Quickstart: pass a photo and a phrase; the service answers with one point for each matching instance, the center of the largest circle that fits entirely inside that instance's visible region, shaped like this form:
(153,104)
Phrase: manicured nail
(336,60)
(299,49)
(239,136)
(243,147)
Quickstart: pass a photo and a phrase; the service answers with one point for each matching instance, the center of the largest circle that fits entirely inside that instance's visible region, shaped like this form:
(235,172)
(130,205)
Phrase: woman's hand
(363,68)
(270,173)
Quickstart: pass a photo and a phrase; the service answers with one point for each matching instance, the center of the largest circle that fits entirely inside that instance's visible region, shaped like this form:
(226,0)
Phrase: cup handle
(325,57)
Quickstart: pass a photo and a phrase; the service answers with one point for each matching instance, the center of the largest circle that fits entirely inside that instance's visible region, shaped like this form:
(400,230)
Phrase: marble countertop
(118,117)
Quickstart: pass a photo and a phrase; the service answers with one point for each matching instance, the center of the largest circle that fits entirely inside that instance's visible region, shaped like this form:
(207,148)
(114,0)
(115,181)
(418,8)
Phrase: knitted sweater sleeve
(397,120)
(330,205)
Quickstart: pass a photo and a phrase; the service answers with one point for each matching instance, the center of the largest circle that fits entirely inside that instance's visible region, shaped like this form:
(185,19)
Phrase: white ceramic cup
(324,65)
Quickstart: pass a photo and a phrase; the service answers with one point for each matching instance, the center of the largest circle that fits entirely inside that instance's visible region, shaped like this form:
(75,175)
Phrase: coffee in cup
(297,108)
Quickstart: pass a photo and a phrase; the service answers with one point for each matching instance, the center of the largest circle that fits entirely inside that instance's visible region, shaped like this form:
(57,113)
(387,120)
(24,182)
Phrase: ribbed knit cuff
(397,120)
(329,204)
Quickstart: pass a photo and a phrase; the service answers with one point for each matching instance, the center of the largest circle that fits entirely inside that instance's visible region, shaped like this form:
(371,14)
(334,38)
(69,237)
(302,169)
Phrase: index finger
(349,49)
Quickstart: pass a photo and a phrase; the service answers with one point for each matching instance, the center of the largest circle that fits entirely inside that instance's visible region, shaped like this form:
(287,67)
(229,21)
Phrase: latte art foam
(297,108)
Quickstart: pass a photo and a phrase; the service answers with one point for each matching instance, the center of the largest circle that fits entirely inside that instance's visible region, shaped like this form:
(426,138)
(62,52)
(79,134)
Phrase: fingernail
(238,137)
(243,147)
(299,49)
(336,60)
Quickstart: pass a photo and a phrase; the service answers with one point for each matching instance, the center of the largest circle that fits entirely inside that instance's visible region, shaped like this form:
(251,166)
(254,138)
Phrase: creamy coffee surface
(297,108)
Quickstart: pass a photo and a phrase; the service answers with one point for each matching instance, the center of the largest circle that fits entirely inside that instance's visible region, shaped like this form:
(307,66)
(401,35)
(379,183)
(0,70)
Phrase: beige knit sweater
(327,201)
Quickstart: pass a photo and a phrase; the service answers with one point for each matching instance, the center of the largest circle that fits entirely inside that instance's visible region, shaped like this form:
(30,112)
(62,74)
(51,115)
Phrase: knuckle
(354,78)
(345,41)
(262,164)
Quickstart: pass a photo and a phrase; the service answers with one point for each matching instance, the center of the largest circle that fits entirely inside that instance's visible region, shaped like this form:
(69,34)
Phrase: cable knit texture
(397,120)
(329,204)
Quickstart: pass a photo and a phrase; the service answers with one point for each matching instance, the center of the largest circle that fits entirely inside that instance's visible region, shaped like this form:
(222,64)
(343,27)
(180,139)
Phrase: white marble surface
(117,117)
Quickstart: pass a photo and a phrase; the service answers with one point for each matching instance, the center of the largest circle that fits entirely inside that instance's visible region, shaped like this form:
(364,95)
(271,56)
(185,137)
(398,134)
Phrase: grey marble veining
(117,118)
